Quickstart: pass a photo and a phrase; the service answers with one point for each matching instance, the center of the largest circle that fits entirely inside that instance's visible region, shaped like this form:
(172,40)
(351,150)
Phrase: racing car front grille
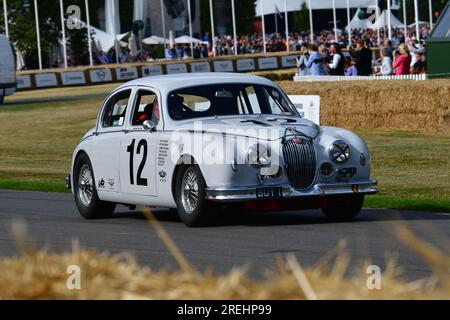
(300,162)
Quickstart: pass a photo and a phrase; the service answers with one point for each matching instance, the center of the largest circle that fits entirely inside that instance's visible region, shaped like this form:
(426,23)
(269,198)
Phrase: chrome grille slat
(300,160)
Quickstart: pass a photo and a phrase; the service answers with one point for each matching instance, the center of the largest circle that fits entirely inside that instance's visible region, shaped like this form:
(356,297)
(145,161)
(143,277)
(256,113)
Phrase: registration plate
(269,192)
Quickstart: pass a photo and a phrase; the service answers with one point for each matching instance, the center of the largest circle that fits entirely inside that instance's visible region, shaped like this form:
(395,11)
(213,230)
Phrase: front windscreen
(227,100)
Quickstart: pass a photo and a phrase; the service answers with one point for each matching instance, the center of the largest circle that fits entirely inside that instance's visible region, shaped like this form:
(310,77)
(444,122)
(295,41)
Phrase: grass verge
(32,186)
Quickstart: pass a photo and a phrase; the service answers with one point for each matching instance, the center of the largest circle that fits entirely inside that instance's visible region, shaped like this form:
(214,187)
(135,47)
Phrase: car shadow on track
(290,218)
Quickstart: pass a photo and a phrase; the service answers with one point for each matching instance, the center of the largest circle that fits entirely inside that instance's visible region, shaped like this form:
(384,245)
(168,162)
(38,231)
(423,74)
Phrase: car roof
(182,80)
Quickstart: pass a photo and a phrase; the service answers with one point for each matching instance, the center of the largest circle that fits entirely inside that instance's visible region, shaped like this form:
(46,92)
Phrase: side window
(146,108)
(196,103)
(184,105)
(115,110)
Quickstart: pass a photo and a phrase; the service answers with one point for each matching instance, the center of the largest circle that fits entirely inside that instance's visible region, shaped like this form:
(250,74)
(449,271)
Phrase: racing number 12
(142,144)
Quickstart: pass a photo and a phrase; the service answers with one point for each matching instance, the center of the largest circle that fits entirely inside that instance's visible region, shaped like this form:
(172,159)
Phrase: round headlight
(259,156)
(340,152)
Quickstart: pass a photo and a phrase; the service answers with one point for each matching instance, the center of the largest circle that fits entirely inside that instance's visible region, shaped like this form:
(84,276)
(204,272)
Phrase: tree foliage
(301,19)
(245,15)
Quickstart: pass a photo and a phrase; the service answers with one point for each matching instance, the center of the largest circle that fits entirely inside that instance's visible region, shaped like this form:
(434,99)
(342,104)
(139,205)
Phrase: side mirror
(149,126)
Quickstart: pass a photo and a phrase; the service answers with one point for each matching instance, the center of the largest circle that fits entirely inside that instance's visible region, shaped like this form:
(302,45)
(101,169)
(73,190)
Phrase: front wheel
(193,208)
(88,203)
(347,211)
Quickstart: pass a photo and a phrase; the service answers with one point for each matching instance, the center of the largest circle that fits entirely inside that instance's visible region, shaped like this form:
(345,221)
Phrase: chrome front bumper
(230,194)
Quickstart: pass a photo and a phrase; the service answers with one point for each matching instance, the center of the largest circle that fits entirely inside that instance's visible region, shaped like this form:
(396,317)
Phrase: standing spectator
(389,47)
(102,58)
(338,63)
(204,51)
(421,64)
(402,60)
(352,71)
(363,57)
(315,62)
(180,52)
(301,62)
(386,63)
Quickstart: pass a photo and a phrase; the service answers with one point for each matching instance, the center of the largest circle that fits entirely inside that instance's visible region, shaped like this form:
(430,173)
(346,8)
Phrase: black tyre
(345,212)
(86,197)
(2,99)
(193,208)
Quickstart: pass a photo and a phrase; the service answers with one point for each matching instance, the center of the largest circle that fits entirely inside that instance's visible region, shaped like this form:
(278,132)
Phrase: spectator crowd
(325,55)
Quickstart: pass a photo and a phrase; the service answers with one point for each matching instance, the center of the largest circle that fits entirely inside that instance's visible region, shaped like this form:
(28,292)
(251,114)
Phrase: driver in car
(151,112)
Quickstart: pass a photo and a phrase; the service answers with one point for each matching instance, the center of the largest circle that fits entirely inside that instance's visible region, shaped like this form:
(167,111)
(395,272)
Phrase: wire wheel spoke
(190,193)
(85,186)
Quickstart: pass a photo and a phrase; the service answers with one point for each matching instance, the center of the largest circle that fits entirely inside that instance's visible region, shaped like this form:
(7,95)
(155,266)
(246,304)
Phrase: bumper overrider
(249,193)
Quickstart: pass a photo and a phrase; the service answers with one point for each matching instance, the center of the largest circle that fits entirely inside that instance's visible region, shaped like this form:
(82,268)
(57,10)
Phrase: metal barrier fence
(415,77)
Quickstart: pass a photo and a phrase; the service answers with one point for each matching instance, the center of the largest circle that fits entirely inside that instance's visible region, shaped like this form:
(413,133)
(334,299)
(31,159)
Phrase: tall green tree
(301,19)
(245,16)
(22,29)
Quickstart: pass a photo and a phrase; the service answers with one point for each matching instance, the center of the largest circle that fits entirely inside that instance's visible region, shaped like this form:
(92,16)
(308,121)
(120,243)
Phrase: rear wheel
(88,203)
(193,208)
(347,211)
(2,99)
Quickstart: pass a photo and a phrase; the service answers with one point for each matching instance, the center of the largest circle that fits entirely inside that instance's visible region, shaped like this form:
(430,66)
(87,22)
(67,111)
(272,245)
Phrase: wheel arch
(77,155)
(185,159)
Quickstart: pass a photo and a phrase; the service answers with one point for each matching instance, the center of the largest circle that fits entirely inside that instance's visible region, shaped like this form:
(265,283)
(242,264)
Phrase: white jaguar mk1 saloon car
(204,142)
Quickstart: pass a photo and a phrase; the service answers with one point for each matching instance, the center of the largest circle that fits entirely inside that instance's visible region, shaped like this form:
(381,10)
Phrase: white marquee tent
(154,40)
(382,22)
(275,6)
(187,40)
(357,23)
(103,40)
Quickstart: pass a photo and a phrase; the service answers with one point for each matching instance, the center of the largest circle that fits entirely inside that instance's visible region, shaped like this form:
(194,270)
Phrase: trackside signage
(307,106)
(223,66)
(23,81)
(176,68)
(245,64)
(267,63)
(100,75)
(155,70)
(289,61)
(126,73)
(73,78)
(200,67)
(46,80)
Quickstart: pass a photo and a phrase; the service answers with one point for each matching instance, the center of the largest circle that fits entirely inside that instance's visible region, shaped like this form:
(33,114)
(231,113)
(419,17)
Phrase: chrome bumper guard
(229,194)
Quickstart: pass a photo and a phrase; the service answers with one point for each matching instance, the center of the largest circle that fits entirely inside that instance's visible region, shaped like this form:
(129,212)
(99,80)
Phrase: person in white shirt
(337,65)
(386,63)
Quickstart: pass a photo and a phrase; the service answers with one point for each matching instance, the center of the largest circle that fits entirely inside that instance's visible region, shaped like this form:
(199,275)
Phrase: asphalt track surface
(251,239)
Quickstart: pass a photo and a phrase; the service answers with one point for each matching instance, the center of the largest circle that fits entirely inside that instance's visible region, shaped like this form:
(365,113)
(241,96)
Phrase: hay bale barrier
(421,106)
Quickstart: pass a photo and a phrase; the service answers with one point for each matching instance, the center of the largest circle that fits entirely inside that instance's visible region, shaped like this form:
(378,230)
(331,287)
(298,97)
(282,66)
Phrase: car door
(104,153)
(139,147)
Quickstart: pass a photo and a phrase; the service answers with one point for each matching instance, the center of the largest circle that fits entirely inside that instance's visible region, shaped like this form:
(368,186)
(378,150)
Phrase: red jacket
(402,63)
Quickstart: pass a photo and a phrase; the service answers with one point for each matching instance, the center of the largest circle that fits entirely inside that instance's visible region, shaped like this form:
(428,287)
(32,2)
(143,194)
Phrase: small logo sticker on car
(162,174)
(355,188)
